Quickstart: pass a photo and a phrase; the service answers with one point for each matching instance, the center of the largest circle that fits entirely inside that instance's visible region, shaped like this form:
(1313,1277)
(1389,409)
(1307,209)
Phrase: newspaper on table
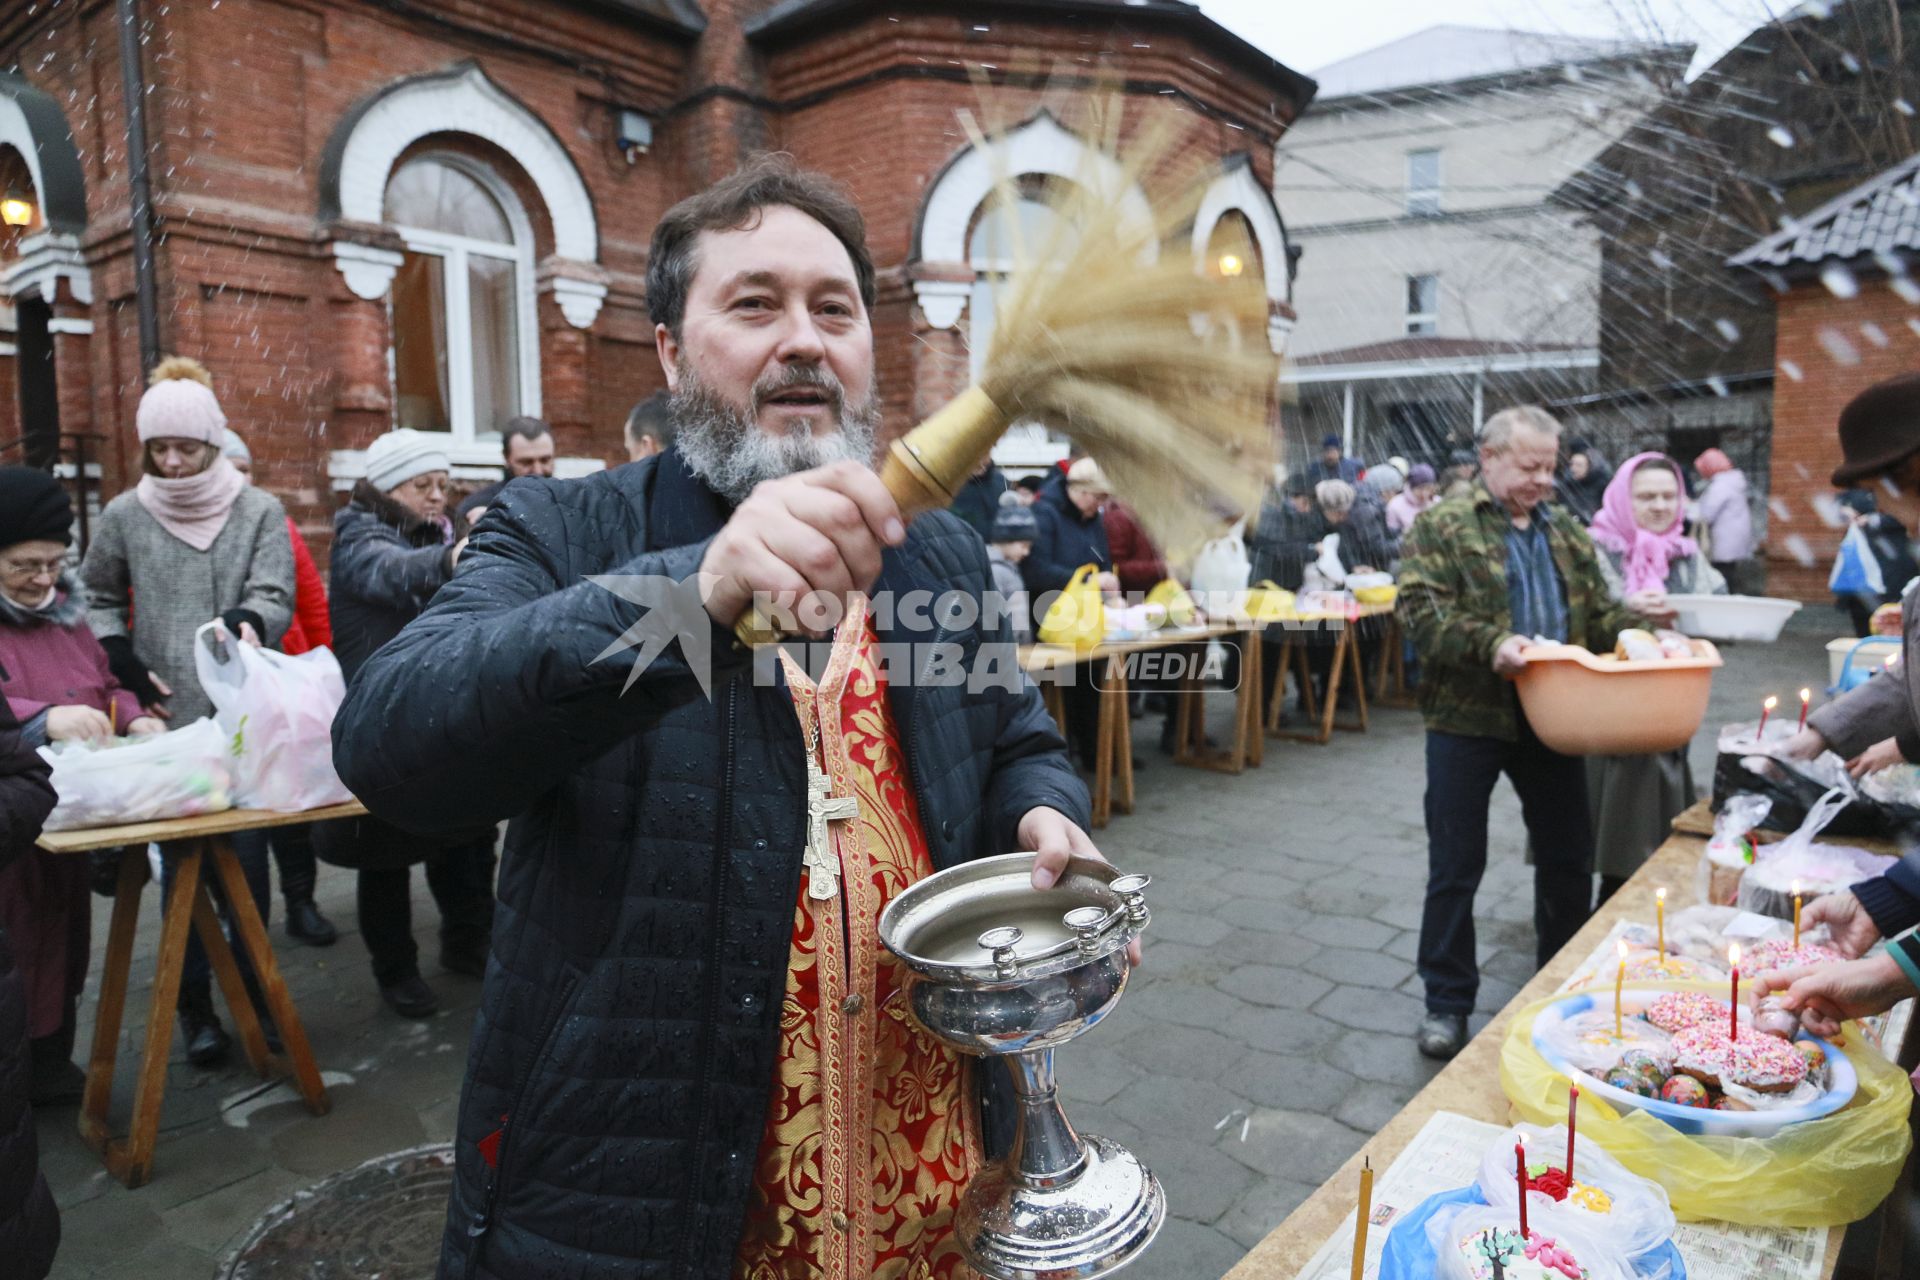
(1445,1156)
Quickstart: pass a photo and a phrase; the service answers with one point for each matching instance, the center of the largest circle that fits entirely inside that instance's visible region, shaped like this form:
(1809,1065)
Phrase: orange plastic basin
(1582,704)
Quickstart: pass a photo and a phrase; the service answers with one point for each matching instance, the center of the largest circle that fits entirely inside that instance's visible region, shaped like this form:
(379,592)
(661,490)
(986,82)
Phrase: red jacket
(310,628)
(1136,561)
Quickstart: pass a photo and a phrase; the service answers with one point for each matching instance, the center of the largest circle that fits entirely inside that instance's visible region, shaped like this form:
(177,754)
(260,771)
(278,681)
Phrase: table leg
(1187,708)
(95,1130)
(1341,647)
(253,936)
(1359,681)
(1277,696)
(1122,732)
(1102,752)
(1056,705)
(131,1160)
(1252,744)
(206,921)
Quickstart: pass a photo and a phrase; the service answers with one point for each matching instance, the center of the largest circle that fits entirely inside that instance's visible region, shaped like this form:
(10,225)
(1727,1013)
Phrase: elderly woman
(191,543)
(393,547)
(59,687)
(1362,527)
(1644,557)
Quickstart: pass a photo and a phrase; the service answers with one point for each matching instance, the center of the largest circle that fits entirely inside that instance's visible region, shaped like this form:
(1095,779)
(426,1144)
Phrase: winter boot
(206,1039)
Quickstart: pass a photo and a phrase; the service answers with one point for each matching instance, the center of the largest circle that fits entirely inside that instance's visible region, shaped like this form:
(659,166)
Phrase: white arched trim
(468,102)
(1238,191)
(1040,146)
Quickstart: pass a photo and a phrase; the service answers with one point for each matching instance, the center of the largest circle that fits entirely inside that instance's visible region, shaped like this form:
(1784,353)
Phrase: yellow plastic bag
(1819,1173)
(1269,602)
(1078,615)
(1181,611)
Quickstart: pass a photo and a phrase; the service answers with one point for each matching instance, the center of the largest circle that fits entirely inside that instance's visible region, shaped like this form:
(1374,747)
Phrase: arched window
(465,350)
(1004,230)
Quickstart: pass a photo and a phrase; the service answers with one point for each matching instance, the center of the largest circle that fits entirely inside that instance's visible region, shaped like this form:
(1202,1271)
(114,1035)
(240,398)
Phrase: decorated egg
(1684,1091)
(1810,1050)
(1723,1103)
(1629,1082)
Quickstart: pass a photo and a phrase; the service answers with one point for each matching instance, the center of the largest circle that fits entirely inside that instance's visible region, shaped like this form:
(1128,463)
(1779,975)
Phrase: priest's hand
(1826,995)
(1056,838)
(819,531)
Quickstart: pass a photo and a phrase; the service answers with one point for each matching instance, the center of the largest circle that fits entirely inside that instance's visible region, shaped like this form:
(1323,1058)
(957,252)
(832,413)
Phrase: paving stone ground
(1279,996)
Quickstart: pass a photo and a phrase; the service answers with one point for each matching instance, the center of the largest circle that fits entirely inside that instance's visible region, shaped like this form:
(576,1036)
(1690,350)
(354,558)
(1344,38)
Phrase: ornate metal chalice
(999,969)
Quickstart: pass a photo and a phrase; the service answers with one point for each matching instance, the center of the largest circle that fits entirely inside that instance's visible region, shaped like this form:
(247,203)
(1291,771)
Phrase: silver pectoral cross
(823,867)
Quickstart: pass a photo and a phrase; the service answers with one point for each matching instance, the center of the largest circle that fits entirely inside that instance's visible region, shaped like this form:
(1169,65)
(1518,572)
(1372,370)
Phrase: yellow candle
(1660,923)
(1796,913)
(1366,1211)
(1619,981)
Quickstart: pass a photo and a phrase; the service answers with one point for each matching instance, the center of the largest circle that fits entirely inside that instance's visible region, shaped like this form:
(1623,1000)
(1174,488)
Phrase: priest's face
(772,370)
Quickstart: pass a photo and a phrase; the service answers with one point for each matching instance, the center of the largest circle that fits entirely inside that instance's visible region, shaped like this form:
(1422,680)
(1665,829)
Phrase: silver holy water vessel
(999,969)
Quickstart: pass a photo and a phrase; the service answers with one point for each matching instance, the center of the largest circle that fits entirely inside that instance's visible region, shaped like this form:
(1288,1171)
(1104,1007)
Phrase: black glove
(130,671)
(234,617)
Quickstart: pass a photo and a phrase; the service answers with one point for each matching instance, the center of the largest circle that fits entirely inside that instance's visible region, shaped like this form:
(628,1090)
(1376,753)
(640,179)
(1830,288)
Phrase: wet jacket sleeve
(496,693)
(26,791)
(373,563)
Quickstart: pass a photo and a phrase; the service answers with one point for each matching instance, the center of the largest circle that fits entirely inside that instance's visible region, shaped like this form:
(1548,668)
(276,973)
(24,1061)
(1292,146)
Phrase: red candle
(1805,696)
(1766,709)
(1573,1114)
(1520,1171)
(1733,958)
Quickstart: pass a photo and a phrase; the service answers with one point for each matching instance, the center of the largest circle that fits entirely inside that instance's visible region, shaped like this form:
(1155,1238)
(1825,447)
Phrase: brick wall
(245,96)
(1829,350)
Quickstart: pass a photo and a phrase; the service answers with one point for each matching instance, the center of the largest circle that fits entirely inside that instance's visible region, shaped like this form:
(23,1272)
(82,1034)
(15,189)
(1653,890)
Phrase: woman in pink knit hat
(190,543)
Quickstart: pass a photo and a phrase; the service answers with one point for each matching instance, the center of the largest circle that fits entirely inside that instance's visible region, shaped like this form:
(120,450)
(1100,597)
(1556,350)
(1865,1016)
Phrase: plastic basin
(1584,705)
(1733,617)
(1842,1080)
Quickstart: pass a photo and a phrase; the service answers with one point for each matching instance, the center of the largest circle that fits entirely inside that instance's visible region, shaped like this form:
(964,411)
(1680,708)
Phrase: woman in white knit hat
(393,546)
(190,543)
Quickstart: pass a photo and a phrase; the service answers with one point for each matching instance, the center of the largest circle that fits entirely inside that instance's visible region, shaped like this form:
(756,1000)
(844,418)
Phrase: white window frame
(1424,202)
(1423,324)
(471,445)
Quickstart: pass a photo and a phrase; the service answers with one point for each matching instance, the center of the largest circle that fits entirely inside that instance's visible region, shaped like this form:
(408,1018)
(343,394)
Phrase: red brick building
(436,213)
(1849,316)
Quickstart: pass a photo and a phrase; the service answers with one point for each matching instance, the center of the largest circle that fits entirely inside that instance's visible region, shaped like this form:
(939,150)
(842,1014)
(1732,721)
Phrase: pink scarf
(1647,555)
(193,508)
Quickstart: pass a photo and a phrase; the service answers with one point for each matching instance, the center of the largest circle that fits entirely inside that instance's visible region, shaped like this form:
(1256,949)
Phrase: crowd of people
(683,1023)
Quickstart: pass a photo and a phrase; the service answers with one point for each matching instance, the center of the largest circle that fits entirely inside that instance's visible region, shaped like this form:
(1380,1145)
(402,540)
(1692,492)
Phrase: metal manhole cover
(380,1221)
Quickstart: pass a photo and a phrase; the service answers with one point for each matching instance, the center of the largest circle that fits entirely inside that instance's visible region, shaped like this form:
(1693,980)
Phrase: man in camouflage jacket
(1481,574)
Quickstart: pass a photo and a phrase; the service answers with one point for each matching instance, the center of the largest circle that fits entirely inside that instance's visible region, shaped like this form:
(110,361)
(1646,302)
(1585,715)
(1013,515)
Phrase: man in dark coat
(633,1101)
(392,549)
(29,1223)
(978,502)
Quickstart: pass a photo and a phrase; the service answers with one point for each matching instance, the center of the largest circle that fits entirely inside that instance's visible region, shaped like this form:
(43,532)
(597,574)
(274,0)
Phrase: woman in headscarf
(191,543)
(1726,511)
(58,686)
(1645,557)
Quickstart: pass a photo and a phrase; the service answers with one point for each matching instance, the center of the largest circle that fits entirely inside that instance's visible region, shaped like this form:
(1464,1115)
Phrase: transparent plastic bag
(1767,886)
(1639,1219)
(278,712)
(179,774)
(1819,1173)
(1730,850)
(1599,1256)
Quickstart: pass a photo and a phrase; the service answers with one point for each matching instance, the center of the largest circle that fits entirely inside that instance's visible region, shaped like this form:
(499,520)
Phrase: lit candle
(1520,1172)
(1733,958)
(1573,1116)
(1805,696)
(1660,923)
(1619,981)
(1796,914)
(1366,1210)
(1766,709)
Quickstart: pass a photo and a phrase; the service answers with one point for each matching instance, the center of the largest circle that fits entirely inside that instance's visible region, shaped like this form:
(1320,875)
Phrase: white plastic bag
(278,712)
(1599,1256)
(1221,571)
(1328,561)
(181,774)
(1802,861)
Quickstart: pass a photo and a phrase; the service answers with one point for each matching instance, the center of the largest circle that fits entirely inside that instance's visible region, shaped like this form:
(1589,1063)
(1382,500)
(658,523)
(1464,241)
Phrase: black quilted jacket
(630,1017)
(29,1223)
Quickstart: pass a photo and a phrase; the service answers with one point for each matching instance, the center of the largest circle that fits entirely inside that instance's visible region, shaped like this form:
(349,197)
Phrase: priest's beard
(724,445)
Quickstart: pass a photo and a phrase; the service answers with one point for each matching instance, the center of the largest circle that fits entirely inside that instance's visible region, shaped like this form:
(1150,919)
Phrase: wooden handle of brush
(924,470)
